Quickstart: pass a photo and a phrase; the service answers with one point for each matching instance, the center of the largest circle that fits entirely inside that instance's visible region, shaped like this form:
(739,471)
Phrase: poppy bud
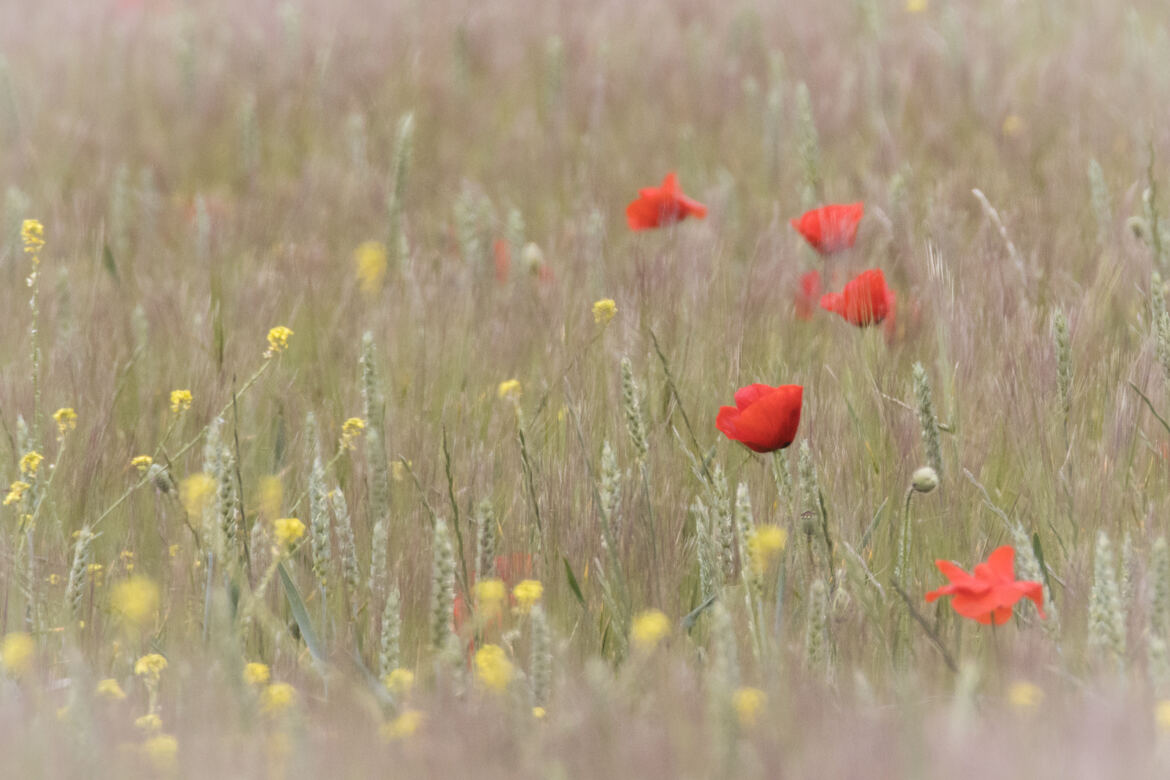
(924,480)
(533,258)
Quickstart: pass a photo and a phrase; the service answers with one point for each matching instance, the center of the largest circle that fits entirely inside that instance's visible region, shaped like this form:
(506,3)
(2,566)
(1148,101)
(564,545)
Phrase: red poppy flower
(989,595)
(810,291)
(764,418)
(866,300)
(830,228)
(665,205)
(503,256)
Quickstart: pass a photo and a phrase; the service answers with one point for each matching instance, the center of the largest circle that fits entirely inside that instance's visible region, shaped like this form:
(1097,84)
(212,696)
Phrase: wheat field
(347,428)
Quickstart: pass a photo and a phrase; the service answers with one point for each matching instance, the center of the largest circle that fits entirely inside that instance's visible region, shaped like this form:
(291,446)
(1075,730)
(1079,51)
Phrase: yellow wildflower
(195,491)
(148,723)
(256,673)
(16,492)
(110,690)
(1162,715)
(527,593)
(277,340)
(287,531)
(489,596)
(403,726)
(277,698)
(16,652)
(398,471)
(399,682)
(66,420)
(509,389)
(173,551)
(765,544)
(150,667)
(492,667)
(162,751)
(650,627)
(370,261)
(1013,125)
(1025,696)
(30,463)
(271,496)
(141,462)
(350,430)
(32,235)
(604,310)
(181,401)
(748,703)
(137,601)
(916,6)
(539,713)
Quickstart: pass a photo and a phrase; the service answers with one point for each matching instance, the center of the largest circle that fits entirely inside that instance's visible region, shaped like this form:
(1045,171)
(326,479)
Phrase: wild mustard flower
(748,704)
(136,600)
(489,596)
(649,628)
(16,653)
(604,311)
(277,340)
(150,667)
(195,491)
(16,492)
(399,682)
(180,401)
(142,463)
(162,752)
(287,531)
(256,673)
(110,690)
(1025,696)
(149,723)
(405,725)
(527,593)
(370,263)
(277,698)
(66,420)
(765,544)
(32,235)
(350,430)
(493,670)
(509,390)
(30,462)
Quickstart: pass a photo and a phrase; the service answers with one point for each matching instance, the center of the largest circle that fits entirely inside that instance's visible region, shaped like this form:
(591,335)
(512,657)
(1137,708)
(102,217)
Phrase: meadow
(348,427)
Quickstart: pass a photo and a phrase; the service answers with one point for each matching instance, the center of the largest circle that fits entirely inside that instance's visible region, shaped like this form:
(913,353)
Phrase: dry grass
(913,111)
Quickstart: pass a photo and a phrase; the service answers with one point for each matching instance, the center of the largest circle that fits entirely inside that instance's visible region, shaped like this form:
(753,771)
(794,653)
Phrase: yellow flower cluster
(604,310)
(493,670)
(16,492)
(489,596)
(748,703)
(1025,697)
(277,698)
(649,628)
(350,430)
(256,673)
(32,235)
(150,667)
(180,401)
(66,420)
(194,493)
(509,389)
(16,653)
(277,340)
(142,462)
(110,690)
(765,545)
(403,726)
(30,463)
(162,751)
(399,682)
(370,262)
(137,601)
(527,593)
(287,531)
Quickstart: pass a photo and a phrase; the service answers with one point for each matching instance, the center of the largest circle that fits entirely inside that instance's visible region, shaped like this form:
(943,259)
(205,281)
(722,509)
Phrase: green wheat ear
(1106,612)
(442,588)
(1064,365)
(931,440)
(388,645)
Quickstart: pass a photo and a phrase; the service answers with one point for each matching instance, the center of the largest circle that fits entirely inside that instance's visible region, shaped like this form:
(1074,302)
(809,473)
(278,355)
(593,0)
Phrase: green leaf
(108,262)
(693,615)
(300,614)
(573,582)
